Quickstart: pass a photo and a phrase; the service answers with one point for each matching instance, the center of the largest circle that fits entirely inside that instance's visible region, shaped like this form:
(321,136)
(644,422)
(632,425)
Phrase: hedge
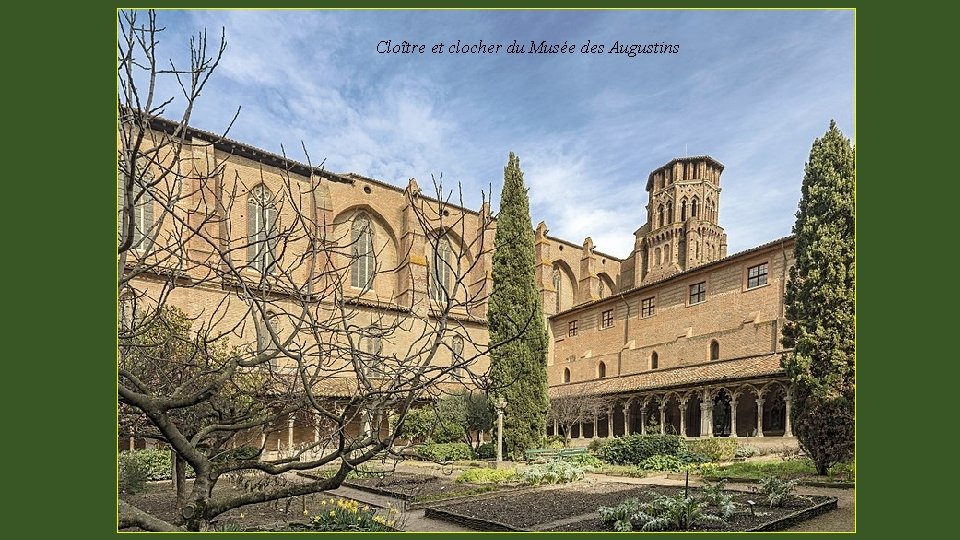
(714,449)
(445,452)
(633,449)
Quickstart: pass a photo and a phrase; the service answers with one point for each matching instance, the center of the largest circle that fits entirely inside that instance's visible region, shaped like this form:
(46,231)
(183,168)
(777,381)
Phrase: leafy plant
(715,494)
(793,468)
(132,473)
(556,442)
(843,471)
(777,491)
(486,476)
(633,449)
(445,452)
(714,448)
(662,462)
(347,515)
(555,472)
(486,451)
(745,451)
(663,513)
(584,460)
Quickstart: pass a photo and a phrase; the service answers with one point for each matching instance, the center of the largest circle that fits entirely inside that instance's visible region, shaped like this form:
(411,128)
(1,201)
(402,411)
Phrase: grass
(758,469)
(623,470)
(454,494)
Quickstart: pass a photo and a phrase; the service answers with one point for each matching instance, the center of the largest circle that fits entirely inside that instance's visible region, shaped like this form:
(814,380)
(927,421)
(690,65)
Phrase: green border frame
(59,70)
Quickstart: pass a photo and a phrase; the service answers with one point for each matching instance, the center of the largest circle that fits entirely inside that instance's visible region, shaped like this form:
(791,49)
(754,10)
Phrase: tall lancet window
(362,268)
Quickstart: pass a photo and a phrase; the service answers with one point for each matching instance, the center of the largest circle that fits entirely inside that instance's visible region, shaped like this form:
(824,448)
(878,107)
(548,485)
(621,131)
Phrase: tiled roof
(661,379)
(346,387)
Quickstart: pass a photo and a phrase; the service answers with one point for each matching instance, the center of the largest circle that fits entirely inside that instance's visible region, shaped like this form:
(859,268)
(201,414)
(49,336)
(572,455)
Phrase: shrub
(154,462)
(132,473)
(663,513)
(596,444)
(486,451)
(632,471)
(445,452)
(584,460)
(554,472)
(348,515)
(486,476)
(778,492)
(745,451)
(555,442)
(714,448)
(843,471)
(662,462)
(633,449)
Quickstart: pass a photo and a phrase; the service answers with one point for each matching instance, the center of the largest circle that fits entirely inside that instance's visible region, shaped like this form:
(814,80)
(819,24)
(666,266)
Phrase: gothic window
(660,216)
(441,270)
(654,360)
(667,253)
(142,216)
(457,350)
(669,211)
(566,375)
(362,266)
(683,209)
(601,370)
(556,286)
(261,228)
(657,255)
(694,207)
(714,350)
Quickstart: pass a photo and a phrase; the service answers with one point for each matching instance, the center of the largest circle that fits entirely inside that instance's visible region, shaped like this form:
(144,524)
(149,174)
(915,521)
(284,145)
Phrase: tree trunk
(179,480)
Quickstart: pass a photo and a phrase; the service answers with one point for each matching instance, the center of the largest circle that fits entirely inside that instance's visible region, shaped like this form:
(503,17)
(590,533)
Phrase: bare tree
(574,406)
(194,285)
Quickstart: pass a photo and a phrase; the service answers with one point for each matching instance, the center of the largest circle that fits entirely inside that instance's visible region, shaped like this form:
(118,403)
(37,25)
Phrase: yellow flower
(306,513)
(241,515)
(333,513)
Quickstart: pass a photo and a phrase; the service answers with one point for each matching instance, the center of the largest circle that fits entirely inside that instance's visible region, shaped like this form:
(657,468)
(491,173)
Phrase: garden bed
(575,508)
(423,488)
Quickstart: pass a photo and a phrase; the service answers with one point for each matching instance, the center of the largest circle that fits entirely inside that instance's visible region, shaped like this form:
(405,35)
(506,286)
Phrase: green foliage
(347,515)
(445,451)
(486,476)
(713,448)
(518,367)
(663,513)
(443,423)
(596,444)
(792,468)
(584,460)
(715,494)
(820,304)
(843,471)
(631,471)
(745,451)
(777,491)
(154,462)
(633,449)
(660,462)
(132,473)
(486,451)
(555,472)
(556,442)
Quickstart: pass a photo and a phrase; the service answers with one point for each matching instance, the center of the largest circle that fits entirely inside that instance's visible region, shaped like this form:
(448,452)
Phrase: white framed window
(363,264)
(261,228)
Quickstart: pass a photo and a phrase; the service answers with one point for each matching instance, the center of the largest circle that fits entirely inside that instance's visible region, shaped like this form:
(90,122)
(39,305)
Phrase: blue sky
(753,89)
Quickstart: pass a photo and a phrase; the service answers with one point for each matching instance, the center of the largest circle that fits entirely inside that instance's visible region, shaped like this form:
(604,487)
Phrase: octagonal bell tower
(681,230)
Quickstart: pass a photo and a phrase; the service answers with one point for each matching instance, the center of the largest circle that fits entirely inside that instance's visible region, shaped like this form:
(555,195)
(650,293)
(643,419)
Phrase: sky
(752,89)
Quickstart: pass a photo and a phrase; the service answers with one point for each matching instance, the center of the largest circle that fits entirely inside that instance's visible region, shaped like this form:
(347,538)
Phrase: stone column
(787,430)
(643,420)
(556,428)
(580,430)
(706,417)
(317,420)
(683,418)
(626,419)
(610,423)
(133,444)
(290,422)
(760,417)
(733,417)
(595,422)
(663,417)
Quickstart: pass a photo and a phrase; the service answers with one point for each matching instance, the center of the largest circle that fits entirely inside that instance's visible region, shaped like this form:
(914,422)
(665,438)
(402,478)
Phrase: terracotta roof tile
(713,372)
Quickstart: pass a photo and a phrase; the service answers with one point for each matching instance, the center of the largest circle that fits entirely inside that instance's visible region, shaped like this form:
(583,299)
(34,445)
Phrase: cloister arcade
(748,409)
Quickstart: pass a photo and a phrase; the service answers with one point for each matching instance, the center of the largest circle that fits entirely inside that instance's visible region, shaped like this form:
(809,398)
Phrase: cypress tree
(820,304)
(518,369)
